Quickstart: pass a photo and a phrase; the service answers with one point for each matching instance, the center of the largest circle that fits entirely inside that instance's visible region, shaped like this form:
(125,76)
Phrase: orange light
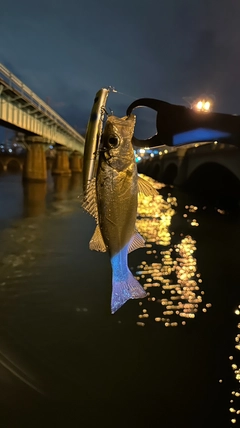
(203,105)
(207,105)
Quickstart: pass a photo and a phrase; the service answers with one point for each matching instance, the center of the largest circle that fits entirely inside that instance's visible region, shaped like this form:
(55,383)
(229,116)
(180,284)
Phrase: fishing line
(112,89)
(104,111)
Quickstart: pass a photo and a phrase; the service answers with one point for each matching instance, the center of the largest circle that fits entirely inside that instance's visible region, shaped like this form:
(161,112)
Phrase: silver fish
(112,198)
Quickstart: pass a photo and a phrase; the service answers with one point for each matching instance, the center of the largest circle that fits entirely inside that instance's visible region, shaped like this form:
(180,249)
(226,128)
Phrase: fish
(111,197)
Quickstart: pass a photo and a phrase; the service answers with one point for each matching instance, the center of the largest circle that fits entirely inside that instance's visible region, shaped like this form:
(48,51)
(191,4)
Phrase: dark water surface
(170,360)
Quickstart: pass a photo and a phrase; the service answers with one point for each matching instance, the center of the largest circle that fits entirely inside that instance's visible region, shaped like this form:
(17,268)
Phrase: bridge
(23,111)
(211,166)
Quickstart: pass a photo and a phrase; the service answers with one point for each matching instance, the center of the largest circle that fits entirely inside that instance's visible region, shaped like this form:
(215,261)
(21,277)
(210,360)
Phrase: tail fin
(125,289)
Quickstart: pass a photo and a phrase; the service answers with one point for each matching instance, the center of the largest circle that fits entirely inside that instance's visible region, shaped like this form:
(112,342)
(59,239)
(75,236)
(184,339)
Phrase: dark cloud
(65,51)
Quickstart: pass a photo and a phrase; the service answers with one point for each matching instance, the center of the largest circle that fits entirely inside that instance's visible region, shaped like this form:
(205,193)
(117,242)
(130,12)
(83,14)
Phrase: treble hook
(112,89)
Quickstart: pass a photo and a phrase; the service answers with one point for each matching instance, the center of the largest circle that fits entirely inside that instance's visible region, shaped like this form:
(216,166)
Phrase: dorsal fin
(146,188)
(90,199)
(136,242)
(97,242)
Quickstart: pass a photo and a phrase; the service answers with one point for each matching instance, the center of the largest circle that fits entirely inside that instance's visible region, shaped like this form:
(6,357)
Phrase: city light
(144,154)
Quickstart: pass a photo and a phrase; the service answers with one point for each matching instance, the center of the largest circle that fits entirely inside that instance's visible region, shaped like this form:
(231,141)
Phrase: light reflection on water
(21,242)
(234,408)
(172,280)
(169,270)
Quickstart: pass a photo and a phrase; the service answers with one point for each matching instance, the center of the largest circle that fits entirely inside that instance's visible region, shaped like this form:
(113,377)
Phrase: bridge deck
(15,97)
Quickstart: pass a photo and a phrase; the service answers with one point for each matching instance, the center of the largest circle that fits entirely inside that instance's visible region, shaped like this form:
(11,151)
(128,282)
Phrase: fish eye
(113,141)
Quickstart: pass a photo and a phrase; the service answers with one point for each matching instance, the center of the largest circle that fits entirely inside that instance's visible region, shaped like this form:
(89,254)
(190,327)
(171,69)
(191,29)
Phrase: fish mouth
(120,121)
(95,132)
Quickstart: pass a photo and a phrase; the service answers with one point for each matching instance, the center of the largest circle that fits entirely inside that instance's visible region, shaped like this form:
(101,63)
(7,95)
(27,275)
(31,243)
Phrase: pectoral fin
(146,188)
(97,242)
(90,199)
(136,242)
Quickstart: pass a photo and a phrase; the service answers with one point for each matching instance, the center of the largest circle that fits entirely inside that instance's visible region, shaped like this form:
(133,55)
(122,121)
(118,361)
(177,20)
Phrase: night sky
(65,50)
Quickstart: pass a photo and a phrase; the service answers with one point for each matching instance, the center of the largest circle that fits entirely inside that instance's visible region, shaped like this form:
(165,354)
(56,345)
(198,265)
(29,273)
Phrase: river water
(169,360)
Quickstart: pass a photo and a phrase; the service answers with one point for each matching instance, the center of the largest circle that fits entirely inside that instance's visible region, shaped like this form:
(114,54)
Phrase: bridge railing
(14,83)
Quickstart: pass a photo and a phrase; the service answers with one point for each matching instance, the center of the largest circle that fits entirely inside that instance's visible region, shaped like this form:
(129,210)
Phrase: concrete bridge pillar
(76,161)
(182,166)
(76,182)
(4,167)
(35,168)
(61,185)
(35,198)
(61,165)
(50,162)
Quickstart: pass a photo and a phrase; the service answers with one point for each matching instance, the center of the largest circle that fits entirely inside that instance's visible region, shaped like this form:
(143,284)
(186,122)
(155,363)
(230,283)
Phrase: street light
(207,106)
(203,105)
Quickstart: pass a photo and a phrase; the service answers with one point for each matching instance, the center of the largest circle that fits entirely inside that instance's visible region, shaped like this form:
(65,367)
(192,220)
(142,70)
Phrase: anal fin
(97,242)
(136,242)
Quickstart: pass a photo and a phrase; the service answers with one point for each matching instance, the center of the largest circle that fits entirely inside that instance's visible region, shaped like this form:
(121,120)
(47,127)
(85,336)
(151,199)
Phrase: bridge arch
(14,165)
(212,177)
(228,159)
(148,168)
(155,173)
(170,173)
